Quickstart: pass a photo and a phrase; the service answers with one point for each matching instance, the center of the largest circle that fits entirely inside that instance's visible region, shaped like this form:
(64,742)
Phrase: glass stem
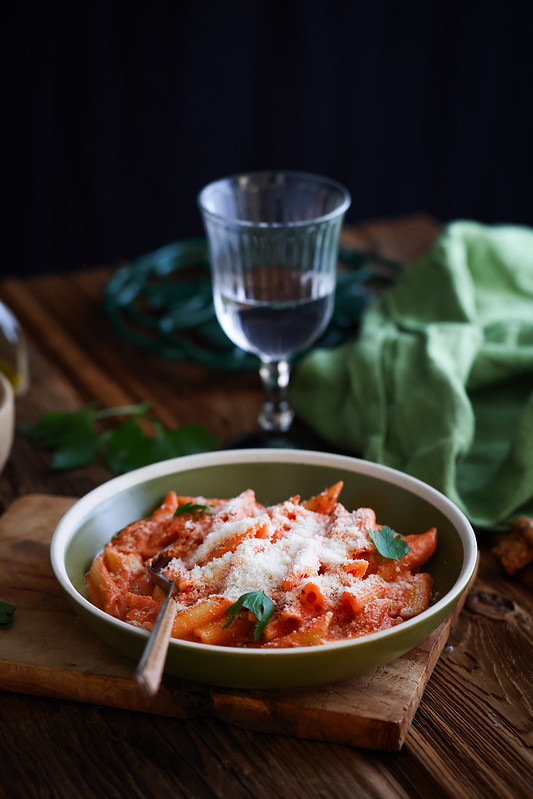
(276,414)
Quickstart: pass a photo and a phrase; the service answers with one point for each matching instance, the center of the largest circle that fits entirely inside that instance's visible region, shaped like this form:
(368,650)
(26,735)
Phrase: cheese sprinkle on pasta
(313,559)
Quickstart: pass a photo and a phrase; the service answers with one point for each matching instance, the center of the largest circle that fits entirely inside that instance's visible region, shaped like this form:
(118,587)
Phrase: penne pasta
(218,632)
(325,501)
(418,595)
(203,612)
(362,592)
(298,573)
(312,596)
(312,634)
(306,564)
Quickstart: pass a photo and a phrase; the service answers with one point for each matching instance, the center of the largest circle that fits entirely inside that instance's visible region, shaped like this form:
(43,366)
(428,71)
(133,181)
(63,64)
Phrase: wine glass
(273,241)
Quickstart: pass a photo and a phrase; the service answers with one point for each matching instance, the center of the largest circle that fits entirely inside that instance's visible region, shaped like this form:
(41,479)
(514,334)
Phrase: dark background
(115,114)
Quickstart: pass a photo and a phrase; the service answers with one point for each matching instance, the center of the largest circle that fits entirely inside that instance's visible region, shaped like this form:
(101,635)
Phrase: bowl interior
(396,505)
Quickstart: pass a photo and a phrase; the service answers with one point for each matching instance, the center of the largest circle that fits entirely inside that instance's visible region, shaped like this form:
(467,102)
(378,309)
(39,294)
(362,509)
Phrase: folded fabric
(439,383)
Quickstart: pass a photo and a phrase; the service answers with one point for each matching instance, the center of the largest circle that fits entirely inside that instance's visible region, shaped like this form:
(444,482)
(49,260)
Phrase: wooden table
(473,732)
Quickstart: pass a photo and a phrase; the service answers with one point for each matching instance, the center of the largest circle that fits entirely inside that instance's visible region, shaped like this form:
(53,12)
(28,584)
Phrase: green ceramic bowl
(402,502)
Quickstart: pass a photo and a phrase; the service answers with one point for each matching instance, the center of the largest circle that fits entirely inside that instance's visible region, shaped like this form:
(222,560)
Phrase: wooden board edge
(268,714)
(277,718)
(256,714)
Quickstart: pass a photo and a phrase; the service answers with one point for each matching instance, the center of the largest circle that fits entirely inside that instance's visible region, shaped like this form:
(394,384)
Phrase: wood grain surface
(472,735)
(373,710)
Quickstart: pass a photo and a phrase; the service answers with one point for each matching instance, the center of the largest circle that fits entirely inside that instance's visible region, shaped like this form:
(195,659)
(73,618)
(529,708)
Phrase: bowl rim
(7,419)
(248,224)
(75,515)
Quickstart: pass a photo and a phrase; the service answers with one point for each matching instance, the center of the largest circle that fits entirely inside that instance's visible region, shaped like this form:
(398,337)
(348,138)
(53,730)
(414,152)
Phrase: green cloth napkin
(439,384)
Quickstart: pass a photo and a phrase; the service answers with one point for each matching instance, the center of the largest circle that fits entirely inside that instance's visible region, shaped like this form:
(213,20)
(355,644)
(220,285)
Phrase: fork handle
(150,668)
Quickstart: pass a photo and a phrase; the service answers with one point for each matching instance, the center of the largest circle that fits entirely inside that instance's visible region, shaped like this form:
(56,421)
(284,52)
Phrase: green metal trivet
(163,302)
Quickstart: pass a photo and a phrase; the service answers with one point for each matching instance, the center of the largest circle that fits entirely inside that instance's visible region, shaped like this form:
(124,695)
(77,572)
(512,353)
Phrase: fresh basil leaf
(78,446)
(6,613)
(191,439)
(389,543)
(192,507)
(259,604)
(129,447)
(76,442)
(53,428)
(74,429)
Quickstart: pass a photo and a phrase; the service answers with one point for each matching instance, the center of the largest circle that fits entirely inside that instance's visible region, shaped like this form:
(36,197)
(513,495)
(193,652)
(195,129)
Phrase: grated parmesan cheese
(315,562)
(224,533)
(312,541)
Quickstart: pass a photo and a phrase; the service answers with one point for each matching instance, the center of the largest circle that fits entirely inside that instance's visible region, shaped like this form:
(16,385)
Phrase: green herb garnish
(389,543)
(192,507)
(76,442)
(259,604)
(6,613)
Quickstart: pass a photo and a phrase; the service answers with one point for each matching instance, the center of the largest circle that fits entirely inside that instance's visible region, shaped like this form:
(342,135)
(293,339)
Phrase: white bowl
(7,419)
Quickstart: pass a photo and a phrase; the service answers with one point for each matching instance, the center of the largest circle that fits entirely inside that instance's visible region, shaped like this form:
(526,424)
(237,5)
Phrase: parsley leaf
(191,507)
(53,427)
(259,604)
(76,442)
(6,613)
(388,543)
(129,447)
(71,435)
(79,444)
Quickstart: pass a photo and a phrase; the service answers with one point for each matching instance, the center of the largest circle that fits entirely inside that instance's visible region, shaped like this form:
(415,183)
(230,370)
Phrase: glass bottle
(13,351)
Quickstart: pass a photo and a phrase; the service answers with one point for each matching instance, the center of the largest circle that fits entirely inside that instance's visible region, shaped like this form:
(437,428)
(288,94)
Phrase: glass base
(276,415)
(276,421)
(298,437)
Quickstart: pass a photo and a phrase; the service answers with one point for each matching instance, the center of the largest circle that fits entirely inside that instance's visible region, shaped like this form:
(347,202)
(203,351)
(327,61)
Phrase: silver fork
(150,669)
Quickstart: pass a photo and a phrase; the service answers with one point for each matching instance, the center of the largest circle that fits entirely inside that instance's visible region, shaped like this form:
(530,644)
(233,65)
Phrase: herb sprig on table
(6,613)
(76,441)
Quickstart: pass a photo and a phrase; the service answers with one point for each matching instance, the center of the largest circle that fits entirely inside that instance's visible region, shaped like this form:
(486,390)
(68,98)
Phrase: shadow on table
(298,437)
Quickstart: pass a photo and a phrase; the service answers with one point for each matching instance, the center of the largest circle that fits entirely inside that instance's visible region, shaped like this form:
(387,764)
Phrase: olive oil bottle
(13,351)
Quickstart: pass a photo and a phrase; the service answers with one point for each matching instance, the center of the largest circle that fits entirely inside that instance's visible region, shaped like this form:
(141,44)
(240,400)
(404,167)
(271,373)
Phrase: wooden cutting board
(48,651)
